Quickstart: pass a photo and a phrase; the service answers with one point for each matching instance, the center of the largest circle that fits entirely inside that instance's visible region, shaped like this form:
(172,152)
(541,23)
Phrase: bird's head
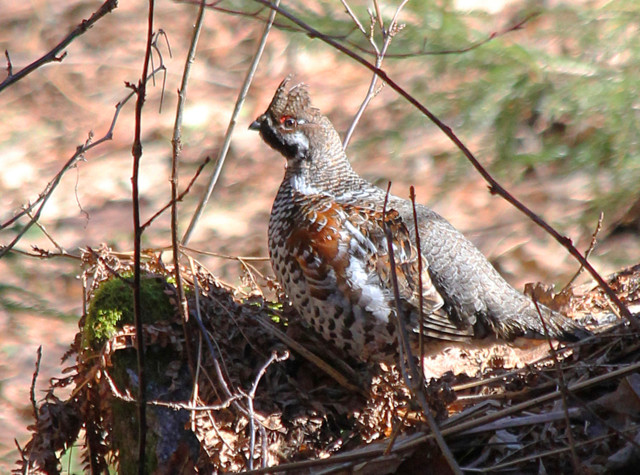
(293,127)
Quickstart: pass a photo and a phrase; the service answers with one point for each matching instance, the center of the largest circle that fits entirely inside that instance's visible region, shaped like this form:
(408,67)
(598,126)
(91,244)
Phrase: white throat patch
(301,185)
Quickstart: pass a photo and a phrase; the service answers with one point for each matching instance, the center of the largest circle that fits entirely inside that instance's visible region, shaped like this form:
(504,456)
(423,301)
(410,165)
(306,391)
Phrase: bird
(328,245)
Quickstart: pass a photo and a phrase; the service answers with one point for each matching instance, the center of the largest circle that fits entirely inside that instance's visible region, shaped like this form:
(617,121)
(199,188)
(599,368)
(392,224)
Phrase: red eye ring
(288,121)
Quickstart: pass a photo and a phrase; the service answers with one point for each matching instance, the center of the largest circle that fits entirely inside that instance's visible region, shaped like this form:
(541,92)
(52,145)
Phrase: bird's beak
(255,125)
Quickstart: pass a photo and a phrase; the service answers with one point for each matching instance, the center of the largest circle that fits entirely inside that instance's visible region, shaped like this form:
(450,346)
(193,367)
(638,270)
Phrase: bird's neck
(321,174)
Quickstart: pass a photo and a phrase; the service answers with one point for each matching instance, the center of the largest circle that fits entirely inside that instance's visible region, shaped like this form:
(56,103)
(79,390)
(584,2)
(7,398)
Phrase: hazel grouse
(329,251)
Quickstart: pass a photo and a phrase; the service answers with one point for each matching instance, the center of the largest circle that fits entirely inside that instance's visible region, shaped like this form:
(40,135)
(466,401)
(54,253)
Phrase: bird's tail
(538,321)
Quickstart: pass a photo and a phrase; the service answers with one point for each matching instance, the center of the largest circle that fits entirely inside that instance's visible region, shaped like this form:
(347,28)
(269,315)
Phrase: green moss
(112,307)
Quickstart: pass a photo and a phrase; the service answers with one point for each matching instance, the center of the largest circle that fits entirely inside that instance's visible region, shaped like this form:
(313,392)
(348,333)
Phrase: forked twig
(44,196)
(387,35)
(52,56)
(587,253)
(275,357)
(178,198)
(214,354)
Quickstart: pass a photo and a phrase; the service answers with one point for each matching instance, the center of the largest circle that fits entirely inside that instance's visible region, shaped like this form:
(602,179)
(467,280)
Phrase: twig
(396,433)
(587,253)
(226,256)
(355,19)
(196,384)
(232,123)
(538,456)
(415,383)
(494,186)
(176,406)
(251,396)
(179,198)
(34,379)
(378,15)
(464,426)
(154,45)
(48,236)
(343,37)
(515,422)
(9,65)
(563,391)
(52,56)
(380,53)
(44,254)
(136,151)
(312,358)
(492,36)
(412,196)
(52,185)
(176,145)
(214,354)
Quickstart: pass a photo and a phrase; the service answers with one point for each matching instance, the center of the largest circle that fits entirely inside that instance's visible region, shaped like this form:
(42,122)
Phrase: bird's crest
(294,101)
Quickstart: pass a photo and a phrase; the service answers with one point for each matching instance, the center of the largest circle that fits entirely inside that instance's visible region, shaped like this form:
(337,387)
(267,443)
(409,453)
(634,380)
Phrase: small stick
(34,379)
(416,382)
(52,56)
(232,123)
(412,195)
(587,253)
(563,390)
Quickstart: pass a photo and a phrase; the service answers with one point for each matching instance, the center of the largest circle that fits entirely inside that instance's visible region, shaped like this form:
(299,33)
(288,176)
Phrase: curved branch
(52,56)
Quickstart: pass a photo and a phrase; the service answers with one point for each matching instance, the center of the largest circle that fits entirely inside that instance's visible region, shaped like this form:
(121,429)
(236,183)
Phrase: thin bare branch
(415,382)
(176,146)
(180,197)
(354,17)
(226,256)
(48,236)
(344,37)
(275,357)
(232,123)
(140,90)
(52,56)
(548,453)
(388,35)
(34,379)
(421,330)
(562,384)
(52,185)
(587,253)
(492,36)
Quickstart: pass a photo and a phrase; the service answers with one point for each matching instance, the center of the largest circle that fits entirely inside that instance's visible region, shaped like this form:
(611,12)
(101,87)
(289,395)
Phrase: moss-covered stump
(110,323)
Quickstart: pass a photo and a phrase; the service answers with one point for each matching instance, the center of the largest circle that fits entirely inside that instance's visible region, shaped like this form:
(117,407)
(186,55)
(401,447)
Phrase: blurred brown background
(44,117)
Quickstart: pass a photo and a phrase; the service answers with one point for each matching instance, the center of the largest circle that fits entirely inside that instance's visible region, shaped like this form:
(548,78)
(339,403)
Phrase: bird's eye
(289,122)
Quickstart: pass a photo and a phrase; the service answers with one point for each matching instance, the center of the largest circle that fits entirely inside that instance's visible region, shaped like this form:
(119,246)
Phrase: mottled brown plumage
(328,249)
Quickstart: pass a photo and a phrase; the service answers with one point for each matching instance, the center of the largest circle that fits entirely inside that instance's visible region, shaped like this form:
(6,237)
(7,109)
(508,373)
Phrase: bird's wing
(349,243)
